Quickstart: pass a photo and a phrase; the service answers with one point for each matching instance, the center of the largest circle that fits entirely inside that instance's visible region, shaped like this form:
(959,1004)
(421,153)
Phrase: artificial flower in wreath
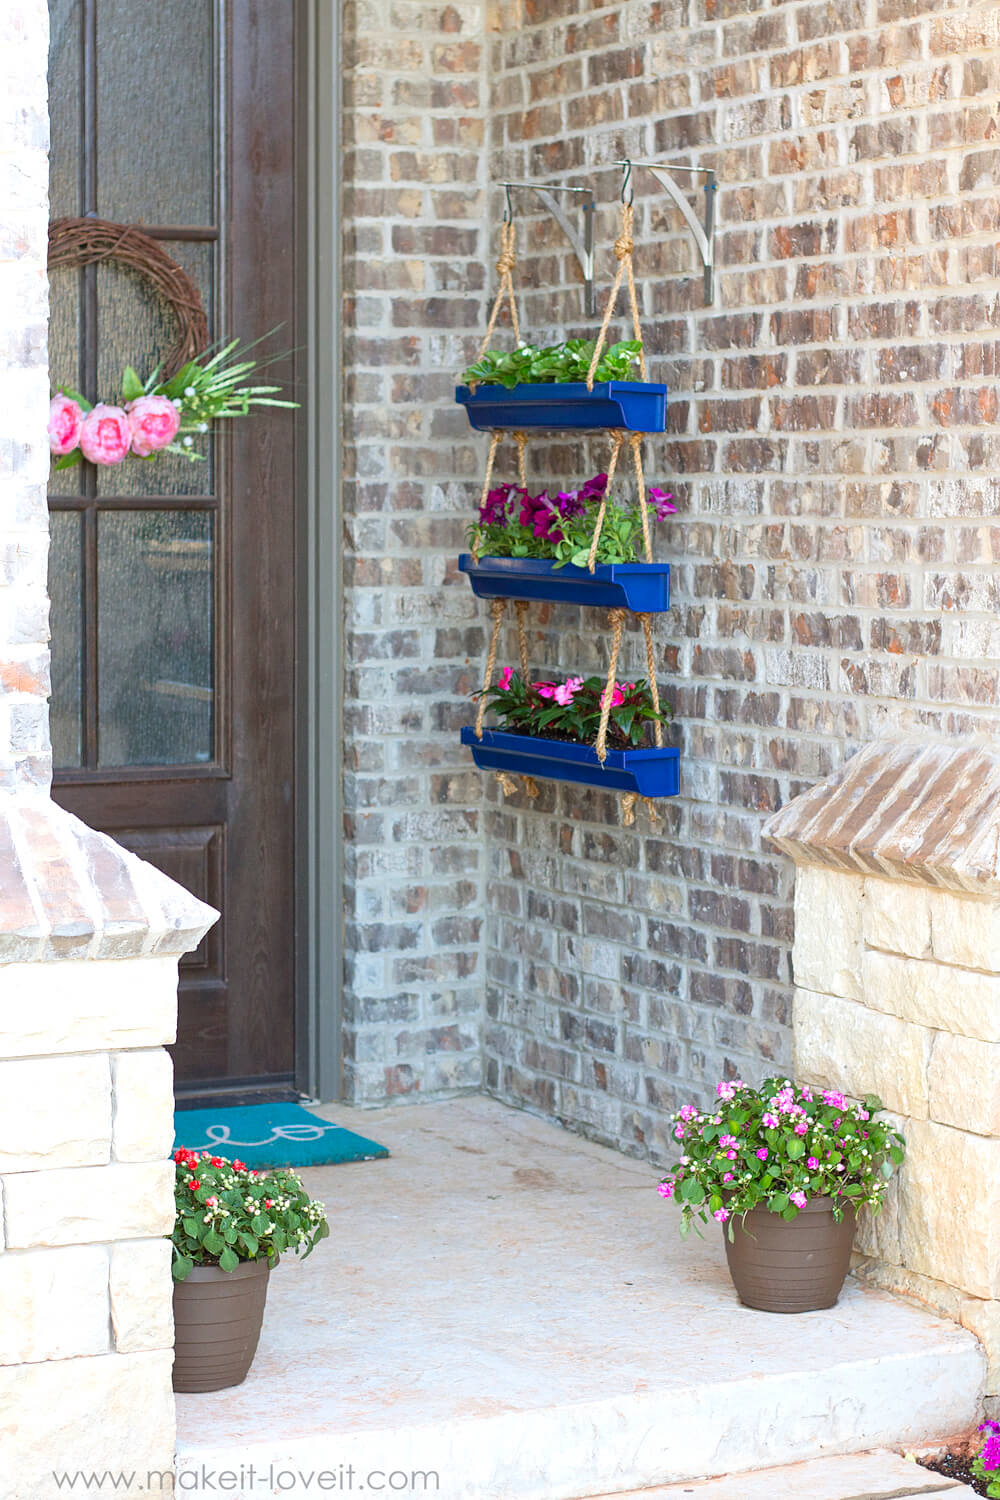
(156,416)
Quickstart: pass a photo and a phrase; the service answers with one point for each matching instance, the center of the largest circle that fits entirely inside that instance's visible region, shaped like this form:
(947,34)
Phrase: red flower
(193,1184)
(240,1166)
(268,1202)
(216,1161)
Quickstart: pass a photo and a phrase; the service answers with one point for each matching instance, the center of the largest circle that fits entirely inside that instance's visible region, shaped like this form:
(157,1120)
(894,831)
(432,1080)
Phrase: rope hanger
(506,264)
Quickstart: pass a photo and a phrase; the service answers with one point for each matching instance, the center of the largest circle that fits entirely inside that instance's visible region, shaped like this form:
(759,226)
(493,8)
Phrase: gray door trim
(320,811)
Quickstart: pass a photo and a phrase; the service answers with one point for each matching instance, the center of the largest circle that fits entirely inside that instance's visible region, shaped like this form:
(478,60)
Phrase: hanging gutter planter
(629,405)
(643,588)
(653,772)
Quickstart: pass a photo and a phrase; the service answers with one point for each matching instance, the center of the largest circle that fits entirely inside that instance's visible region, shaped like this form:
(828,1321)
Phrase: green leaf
(795,1149)
(191,1227)
(182,1267)
(779,1202)
(250,1243)
(69,460)
(896,1155)
(132,386)
(214,1243)
(67,390)
(228,1260)
(873,1104)
(853,1191)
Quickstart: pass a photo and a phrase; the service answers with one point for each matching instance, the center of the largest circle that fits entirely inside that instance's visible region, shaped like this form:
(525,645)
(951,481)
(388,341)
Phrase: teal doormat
(271,1135)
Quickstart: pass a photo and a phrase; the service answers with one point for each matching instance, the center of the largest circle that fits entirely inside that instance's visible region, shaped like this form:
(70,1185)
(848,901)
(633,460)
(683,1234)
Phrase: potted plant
(231,1225)
(552,387)
(784,1170)
(549,730)
(538,547)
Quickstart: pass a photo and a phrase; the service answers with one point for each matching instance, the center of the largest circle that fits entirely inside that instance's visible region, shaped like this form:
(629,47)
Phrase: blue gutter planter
(643,588)
(635,405)
(651,773)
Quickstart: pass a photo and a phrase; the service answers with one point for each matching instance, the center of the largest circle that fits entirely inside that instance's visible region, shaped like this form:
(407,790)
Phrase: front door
(173,583)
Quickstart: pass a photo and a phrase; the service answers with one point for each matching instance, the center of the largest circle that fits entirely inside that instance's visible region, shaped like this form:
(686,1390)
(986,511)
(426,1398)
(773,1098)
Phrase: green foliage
(776,1147)
(226,1214)
(558,363)
(532,708)
(209,390)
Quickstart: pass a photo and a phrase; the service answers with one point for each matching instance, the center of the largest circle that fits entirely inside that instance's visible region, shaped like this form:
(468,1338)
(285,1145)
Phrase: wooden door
(173,583)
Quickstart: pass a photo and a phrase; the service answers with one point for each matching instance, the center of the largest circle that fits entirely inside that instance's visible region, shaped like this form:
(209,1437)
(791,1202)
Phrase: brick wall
(25,755)
(414,209)
(832,436)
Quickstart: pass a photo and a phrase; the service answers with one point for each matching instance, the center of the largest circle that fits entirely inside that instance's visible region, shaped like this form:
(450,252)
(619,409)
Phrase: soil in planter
(616,739)
(952,1466)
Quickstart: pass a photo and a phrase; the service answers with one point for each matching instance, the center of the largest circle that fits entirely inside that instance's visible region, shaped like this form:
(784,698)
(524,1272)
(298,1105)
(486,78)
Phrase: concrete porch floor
(511,1307)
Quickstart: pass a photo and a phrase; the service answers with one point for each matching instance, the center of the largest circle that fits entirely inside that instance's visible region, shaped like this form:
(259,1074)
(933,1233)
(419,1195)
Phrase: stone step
(881,1475)
(511,1308)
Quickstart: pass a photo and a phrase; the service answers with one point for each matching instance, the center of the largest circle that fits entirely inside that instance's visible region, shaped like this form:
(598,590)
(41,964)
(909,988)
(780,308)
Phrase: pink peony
(153,422)
(104,436)
(65,421)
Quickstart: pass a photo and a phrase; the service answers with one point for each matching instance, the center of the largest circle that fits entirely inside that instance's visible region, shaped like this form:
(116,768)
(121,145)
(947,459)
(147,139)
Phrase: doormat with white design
(271,1135)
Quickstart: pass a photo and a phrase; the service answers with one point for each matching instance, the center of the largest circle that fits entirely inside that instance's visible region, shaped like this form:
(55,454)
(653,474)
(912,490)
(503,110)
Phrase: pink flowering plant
(513,523)
(986,1464)
(571,709)
(156,416)
(777,1147)
(227,1213)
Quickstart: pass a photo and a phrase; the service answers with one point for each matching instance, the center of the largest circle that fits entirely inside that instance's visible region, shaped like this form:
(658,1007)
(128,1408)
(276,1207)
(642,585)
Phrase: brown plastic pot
(790,1266)
(217,1318)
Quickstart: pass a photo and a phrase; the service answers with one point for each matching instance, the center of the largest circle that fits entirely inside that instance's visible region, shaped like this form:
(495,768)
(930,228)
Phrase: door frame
(319,371)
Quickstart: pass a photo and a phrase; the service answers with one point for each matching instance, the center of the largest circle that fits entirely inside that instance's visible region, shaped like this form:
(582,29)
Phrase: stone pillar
(897,973)
(89,942)
(90,937)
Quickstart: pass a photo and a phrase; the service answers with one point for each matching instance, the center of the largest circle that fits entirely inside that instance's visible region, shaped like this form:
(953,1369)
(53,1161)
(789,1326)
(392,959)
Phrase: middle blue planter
(634,405)
(651,773)
(643,588)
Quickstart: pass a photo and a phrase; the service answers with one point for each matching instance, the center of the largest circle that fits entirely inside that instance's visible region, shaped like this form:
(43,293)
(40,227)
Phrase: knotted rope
(506,261)
(654,691)
(494,445)
(616,619)
(635,440)
(498,608)
(521,606)
(617,438)
(630,800)
(623,251)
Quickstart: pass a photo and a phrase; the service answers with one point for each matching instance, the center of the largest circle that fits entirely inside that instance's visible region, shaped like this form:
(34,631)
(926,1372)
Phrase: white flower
(188,441)
(178,402)
(189,390)
(202,426)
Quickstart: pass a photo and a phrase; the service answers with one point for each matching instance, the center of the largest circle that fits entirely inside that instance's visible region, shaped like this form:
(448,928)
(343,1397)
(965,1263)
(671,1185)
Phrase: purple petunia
(662,502)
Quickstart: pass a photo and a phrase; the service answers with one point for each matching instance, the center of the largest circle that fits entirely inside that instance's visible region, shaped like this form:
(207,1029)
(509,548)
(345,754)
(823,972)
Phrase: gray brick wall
(414,211)
(832,435)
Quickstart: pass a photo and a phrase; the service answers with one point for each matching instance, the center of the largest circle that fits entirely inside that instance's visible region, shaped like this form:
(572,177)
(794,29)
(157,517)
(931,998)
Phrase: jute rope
(630,800)
(506,261)
(623,251)
(635,441)
(654,691)
(617,438)
(521,439)
(507,783)
(521,606)
(498,608)
(494,445)
(617,621)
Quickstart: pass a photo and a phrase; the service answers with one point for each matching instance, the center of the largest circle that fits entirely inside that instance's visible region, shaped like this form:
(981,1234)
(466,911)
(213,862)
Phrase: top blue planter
(643,588)
(634,405)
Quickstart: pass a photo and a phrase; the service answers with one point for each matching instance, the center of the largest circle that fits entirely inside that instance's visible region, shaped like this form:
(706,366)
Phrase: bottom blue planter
(651,773)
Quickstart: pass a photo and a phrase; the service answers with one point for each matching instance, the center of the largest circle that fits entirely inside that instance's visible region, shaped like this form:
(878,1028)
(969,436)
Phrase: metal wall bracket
(704,234)
(582,244)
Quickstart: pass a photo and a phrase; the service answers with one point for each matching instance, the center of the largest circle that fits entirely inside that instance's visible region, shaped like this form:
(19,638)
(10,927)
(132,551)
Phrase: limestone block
(935,995)
(840,1044)
(142,1292)
(87,1005)
(966,930)
(55,1112)
(878,1234)
(827,952)
(963,1084)
(896,916)
(950,1207)
(55,1304)
(980,1315)
(144,1105)
(80,1204)
(109,1412)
